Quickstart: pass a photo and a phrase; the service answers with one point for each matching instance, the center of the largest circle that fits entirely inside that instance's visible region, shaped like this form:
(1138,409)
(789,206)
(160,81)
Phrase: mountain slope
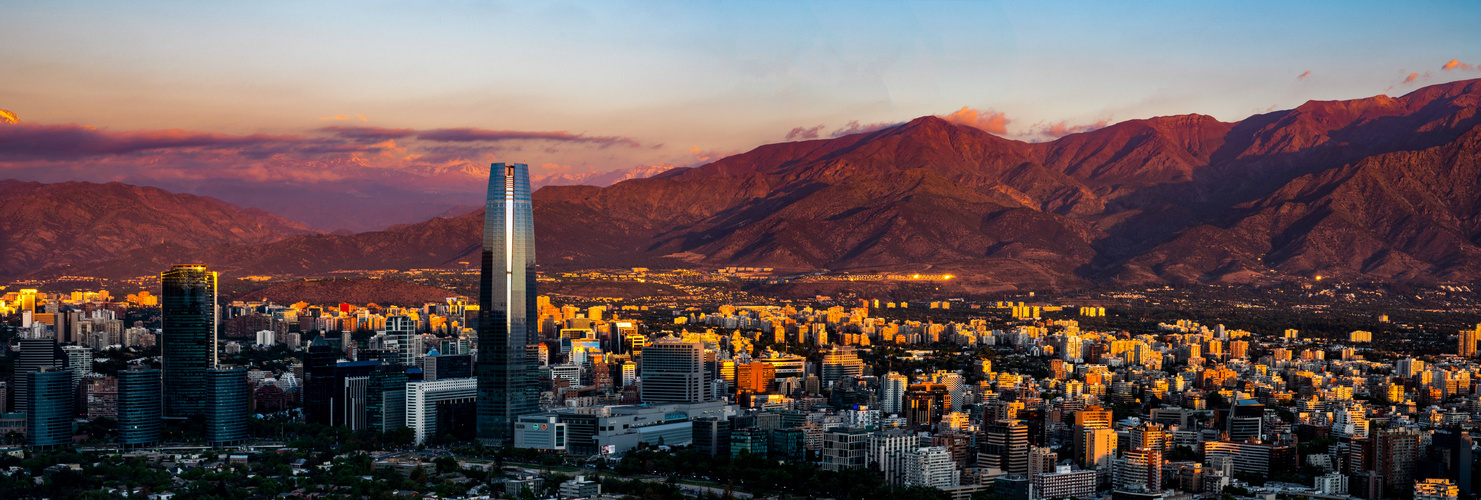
(81,222)
(1377,188)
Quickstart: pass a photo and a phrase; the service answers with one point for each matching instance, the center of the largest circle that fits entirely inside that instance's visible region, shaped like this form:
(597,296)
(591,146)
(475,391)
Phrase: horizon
(184,97)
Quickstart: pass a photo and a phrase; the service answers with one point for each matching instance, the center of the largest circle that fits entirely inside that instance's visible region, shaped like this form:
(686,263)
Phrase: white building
(422,399)
(1332,484)
(931,467)
(892,393)
(886,453)
(267,338)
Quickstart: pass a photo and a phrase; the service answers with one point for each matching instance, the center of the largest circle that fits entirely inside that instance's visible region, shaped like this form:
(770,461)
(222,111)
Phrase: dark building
(1245,420)
(581,431)
(788,445)
(446,366)
(1005,446)
(49,417)
(507,333)
(385,399)
(1451,450)
(926,403)
(226,415)
(139,406)
(319,381)
(351,384)
(188,339)
(35,355)
(712,436)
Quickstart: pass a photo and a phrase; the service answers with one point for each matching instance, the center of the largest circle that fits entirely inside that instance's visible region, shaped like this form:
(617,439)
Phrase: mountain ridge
(1332,188)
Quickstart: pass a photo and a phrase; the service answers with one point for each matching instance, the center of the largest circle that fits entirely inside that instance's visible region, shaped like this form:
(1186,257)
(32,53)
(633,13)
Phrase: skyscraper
(188,340)
(138,406)
(226,416)
(36,354)
(507,333)
(49,417)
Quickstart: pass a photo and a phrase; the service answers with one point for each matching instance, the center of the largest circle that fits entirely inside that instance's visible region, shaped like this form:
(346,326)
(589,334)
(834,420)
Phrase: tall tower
(188,340)
(507,334)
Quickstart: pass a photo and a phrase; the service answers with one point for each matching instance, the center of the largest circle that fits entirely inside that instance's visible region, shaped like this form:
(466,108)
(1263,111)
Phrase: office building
(673,372)
(440,407)
(139,406)
(444,366)
(319,381)
(845,448)
(49,413)
(755,376)
(926,403)
(1436,489)
(401,335)
(840,364)
(385,398)
(712,436)
(36,354)
(1245,420)
(188,339)
(507,332)
(227,405)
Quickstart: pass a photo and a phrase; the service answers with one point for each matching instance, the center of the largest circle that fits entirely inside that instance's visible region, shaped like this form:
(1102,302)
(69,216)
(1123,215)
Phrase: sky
(185,94)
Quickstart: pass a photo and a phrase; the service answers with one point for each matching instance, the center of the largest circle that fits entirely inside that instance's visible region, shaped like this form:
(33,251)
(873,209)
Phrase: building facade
(507,383)
(188,338)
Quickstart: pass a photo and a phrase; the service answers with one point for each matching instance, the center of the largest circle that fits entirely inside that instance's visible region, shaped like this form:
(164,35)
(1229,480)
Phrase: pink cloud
(484,135)
(1303,75)
(854,127)
(1414,77)
(1062,128)
(73,141)
(986,120)
(804,133)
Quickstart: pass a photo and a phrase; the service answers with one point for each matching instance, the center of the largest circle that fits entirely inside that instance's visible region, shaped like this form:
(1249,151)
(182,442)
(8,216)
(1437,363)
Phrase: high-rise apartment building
(188,338)
(1006,447)
(1468,338)
(401,331)
(892,393)
(931,467)
(508,335)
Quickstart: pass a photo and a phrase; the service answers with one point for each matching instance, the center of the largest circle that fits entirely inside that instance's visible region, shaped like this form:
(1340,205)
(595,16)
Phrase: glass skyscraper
(507,334)
(188,340)
(138,406)
(49,418)
(226,415)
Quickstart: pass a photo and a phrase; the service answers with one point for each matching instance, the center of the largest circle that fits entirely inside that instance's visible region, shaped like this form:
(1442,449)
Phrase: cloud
(8,117)
(1303,75)
(1455,63)
(344,117)
(985,120)
(854,127)
(1414,77)
(484,135)
(75,141)
(1062,128)
(804,133)
(370,133)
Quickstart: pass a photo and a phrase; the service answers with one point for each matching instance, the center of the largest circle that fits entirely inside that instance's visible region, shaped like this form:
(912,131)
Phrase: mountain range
(1380,188)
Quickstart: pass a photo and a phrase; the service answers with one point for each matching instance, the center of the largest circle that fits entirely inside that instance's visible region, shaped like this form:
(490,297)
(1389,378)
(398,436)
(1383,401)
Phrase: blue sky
(695,79)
